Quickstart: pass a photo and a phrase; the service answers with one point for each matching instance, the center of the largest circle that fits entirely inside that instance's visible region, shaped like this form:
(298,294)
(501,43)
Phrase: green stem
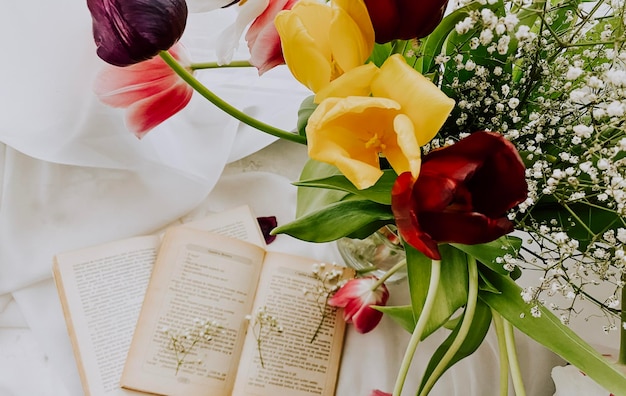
(516,375)
(215,65)
(622,332)
(504,360)
(388,274)
(435,274)
(188,77)
(468,317)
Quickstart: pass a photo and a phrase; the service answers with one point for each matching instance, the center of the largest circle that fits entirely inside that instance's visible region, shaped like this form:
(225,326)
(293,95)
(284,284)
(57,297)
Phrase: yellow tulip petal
(356,82)
(425,104)
(358,11)
(316,18)
(345,132)
(404,154)
(349,47)
(304,59)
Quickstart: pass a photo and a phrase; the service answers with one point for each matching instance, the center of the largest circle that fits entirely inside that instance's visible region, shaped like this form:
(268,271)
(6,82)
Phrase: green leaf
(488,253)
(585,218)
(313,199)
(379,192)
(307,107)
(550,332)
(452,290)
(432,44)
(484,284)
(351,218)
(477,333)
(403,315)
(380,53)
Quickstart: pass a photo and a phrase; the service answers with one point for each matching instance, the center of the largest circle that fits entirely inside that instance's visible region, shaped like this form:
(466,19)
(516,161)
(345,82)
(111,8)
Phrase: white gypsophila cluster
(552,79)
(329,281)
(185,342)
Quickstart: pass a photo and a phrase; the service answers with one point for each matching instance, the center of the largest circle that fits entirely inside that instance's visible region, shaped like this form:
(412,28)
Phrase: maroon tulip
(404,19)
(462,194)
(131,31)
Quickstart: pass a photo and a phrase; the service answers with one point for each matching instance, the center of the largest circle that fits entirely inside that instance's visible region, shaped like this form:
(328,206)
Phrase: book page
(102,289)
(297,361)
(239,223)
(198,276)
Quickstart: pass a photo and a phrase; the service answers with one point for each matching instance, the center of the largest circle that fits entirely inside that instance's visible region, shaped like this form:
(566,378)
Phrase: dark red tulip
(461,195)
(404,19)
(131,31)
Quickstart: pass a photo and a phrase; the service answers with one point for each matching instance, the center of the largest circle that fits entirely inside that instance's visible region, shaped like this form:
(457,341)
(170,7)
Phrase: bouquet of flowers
(501,115)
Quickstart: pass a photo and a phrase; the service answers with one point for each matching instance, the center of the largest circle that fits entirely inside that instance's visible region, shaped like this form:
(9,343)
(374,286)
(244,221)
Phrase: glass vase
(378,252)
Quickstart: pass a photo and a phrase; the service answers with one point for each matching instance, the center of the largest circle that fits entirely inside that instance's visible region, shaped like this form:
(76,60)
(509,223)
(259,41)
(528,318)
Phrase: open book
(205,277)
(102,290)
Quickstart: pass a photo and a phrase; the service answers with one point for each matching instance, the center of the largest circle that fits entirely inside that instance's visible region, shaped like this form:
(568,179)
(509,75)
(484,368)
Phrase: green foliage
(379,192)
(477,333)
(550,332)
(490,253)
(352,218)
(452,290)
(307,107)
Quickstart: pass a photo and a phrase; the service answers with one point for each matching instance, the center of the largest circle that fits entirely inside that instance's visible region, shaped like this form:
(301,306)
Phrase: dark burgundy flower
(267,224)
(131,31)
(404,19)
(462,194)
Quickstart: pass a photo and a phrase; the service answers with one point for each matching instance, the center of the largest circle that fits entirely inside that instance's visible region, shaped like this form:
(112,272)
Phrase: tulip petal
(404,211)
(228,40)
(359,13)
(404,154)
(468,228)
(127,32)
(308,64)
(348,46)
(500,183)
(263,39)
(347,132)
(426,105)
(357,299)
(384,15)
(146,114)
(356,82)
(419,18)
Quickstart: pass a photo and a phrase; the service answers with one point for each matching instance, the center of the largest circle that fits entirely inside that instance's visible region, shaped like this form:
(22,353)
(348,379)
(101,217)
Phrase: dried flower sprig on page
(263,325)
(182,342)
(329,281)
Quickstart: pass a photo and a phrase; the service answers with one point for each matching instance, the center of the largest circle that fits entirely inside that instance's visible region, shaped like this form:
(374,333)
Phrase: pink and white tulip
(377,392)
(356,297)
(263,39)
(150,91)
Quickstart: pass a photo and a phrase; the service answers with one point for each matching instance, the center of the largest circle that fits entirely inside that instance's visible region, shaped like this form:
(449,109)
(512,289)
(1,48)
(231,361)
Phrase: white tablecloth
(72,176)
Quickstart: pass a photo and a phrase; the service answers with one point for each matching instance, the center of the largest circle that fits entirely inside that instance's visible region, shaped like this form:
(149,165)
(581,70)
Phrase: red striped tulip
(263,39)
(131,31)
(404,19)
(356,297)
(150,91)
(462,194)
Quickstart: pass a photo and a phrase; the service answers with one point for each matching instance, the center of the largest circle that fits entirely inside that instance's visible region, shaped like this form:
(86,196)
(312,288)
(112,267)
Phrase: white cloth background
(71,176)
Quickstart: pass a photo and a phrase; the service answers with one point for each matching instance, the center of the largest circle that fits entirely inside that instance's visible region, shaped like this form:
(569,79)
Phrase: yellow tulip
(405,111)
(420,99)
(322,42)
